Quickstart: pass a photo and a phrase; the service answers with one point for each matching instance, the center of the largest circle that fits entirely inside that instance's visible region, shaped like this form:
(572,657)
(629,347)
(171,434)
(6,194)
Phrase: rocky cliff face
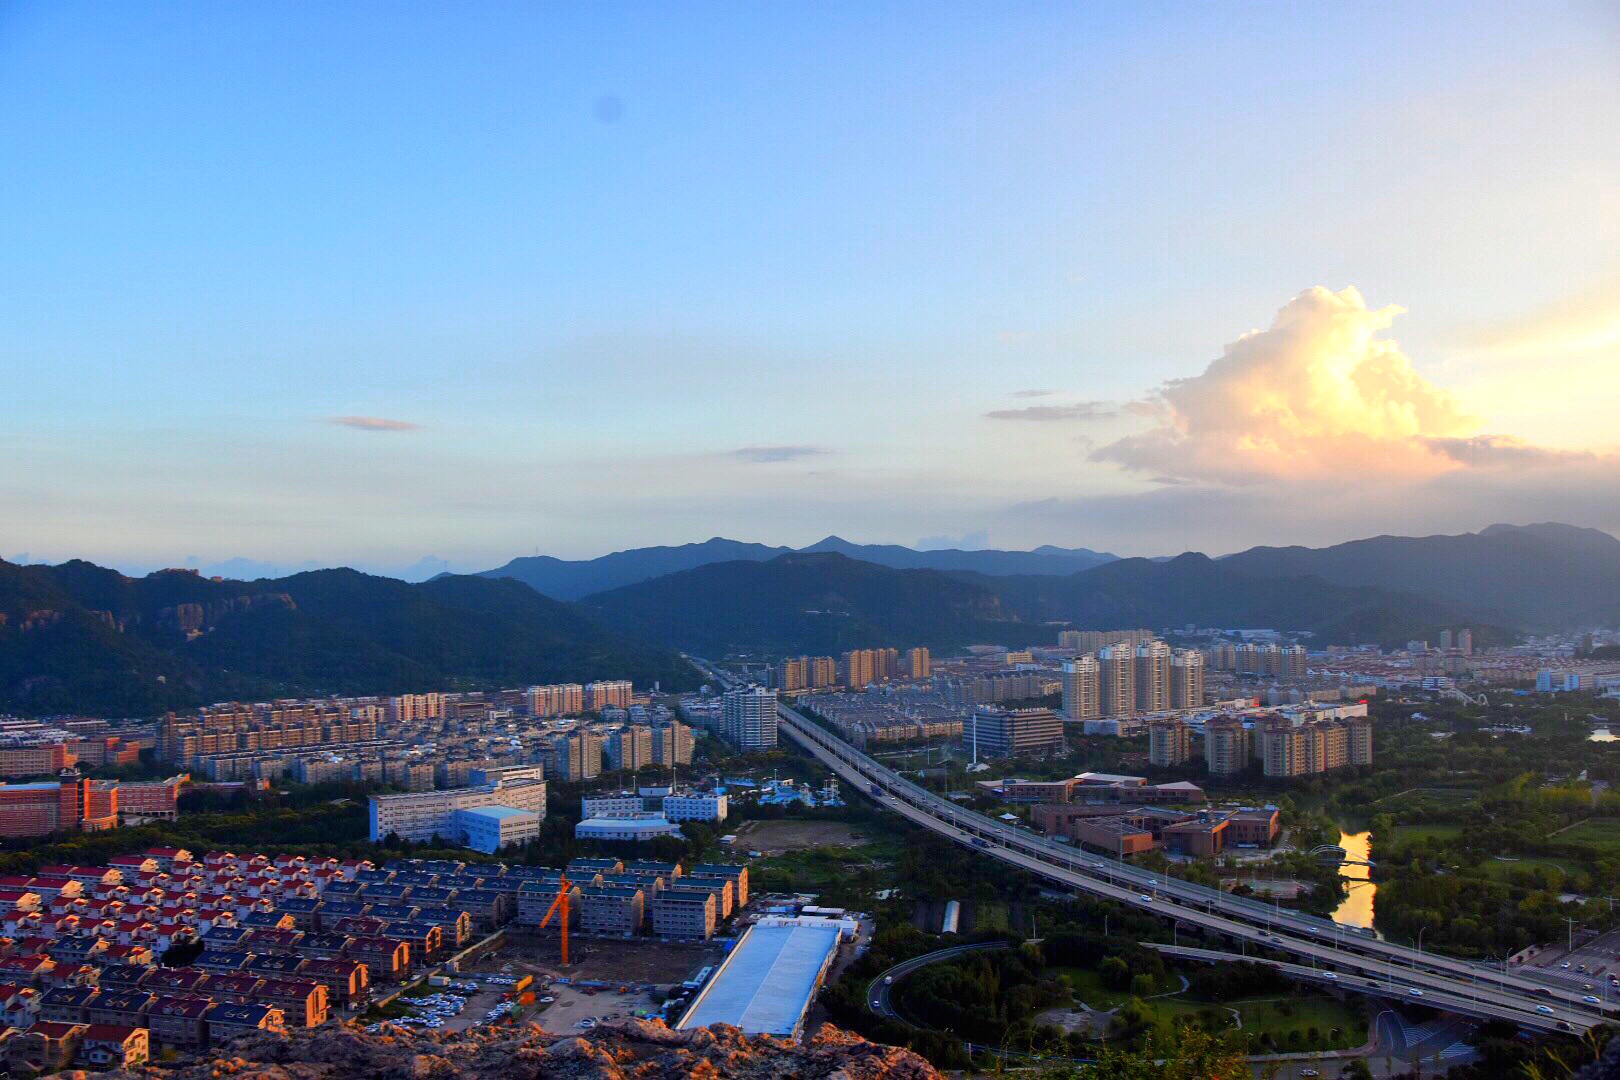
(617,1050)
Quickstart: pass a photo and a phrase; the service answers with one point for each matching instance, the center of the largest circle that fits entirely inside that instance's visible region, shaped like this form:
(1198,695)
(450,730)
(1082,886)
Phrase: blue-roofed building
(766,984)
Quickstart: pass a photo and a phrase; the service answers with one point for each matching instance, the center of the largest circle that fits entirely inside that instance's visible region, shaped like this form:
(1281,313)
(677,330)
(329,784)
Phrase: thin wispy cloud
(1033,393)
(765,455)
(1082,410)
(373,423)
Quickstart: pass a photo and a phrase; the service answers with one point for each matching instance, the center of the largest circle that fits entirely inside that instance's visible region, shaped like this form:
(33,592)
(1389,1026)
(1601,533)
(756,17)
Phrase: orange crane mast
(559,906)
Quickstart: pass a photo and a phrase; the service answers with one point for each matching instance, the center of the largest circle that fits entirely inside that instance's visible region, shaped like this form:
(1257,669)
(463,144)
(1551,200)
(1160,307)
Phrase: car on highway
(1544,1010)
(980,842)
(1145,898)
(1414,991)
(1330,975)
(1591,1000)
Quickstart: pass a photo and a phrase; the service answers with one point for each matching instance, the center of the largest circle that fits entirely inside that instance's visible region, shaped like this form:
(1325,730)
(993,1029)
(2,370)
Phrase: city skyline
(361,288)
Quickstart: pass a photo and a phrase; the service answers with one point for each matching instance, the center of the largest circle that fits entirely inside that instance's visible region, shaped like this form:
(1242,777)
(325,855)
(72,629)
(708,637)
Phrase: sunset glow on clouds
(1320,392)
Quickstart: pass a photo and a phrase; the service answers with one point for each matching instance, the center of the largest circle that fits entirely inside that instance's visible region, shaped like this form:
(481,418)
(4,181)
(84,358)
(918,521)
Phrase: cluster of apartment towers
(855,669)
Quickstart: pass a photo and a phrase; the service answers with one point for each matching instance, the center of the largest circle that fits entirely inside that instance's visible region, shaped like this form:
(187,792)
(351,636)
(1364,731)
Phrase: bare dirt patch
(607,959)
(775,837)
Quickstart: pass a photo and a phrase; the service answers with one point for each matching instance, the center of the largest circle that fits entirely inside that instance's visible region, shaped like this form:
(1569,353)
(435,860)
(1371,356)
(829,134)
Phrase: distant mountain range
(1385,590)
(564,579)
(81,637)
(1529,576)
(824,602)
(810,602)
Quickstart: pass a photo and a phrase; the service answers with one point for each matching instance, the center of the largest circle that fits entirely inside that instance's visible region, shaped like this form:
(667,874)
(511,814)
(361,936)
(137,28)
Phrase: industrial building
(767,982)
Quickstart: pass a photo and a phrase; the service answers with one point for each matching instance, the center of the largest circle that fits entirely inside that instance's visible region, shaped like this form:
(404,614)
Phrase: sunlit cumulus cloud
(1318,393)
(765,455)
(373,423)
(1317,429)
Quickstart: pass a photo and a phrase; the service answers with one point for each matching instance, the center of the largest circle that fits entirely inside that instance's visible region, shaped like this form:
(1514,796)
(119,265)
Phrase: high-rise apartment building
(1081,688)
(919,665)
(600,695)
(1445,640)
(1090,641)
(1248,658)
(1465,641)
(748,717)
(557,699)
(1117,671)
(1152,686)
(1321,746)
(823,672)
(886,664)
(1226,746)
(858,669)
(1187,679)
(793,673)
(575,756)
(410,707)
(672,744)
(1169,743)
(629,747)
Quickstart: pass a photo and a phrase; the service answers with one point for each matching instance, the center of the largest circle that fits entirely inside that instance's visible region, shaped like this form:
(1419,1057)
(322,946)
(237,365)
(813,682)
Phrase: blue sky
(628,274)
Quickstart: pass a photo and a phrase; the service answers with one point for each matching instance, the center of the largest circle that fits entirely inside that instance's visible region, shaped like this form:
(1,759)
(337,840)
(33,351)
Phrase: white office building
(635,827)
(692,806)
(422,815)
(491,828)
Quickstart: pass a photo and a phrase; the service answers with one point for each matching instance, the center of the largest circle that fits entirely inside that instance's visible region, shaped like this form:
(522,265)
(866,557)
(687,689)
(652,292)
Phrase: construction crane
(559,906)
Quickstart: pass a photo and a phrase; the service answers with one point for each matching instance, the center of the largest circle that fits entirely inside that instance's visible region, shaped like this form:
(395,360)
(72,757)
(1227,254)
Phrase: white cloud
(1318,393)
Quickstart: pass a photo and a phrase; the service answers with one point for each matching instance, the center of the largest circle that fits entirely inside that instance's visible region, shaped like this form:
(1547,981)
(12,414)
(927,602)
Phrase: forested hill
(79,637)
(823,603)
(811,603)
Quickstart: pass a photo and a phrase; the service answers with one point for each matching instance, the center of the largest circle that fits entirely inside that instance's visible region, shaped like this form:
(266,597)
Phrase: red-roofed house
(114,1046)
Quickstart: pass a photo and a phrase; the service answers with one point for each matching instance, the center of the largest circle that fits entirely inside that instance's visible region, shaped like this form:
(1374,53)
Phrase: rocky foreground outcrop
(616,1050)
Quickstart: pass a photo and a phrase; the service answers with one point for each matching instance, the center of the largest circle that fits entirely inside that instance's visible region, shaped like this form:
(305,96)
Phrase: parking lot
(466,1002)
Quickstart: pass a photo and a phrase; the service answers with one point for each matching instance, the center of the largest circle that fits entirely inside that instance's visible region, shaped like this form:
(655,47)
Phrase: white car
(1145,898)
(1414,991)
(1330,975)
(1591,1000)
(1544,1010)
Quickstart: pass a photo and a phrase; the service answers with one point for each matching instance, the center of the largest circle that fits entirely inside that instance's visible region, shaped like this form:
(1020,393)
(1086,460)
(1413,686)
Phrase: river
(1357,908)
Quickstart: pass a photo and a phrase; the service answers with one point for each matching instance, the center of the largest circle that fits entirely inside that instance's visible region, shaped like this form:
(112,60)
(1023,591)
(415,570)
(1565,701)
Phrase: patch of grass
(1496,868)
(1279,1018)
(1602,835)
(1089,988)
(1407,834)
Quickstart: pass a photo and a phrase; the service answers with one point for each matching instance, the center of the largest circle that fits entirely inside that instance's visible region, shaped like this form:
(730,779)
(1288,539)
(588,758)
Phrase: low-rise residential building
(685,913)
(612,909)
